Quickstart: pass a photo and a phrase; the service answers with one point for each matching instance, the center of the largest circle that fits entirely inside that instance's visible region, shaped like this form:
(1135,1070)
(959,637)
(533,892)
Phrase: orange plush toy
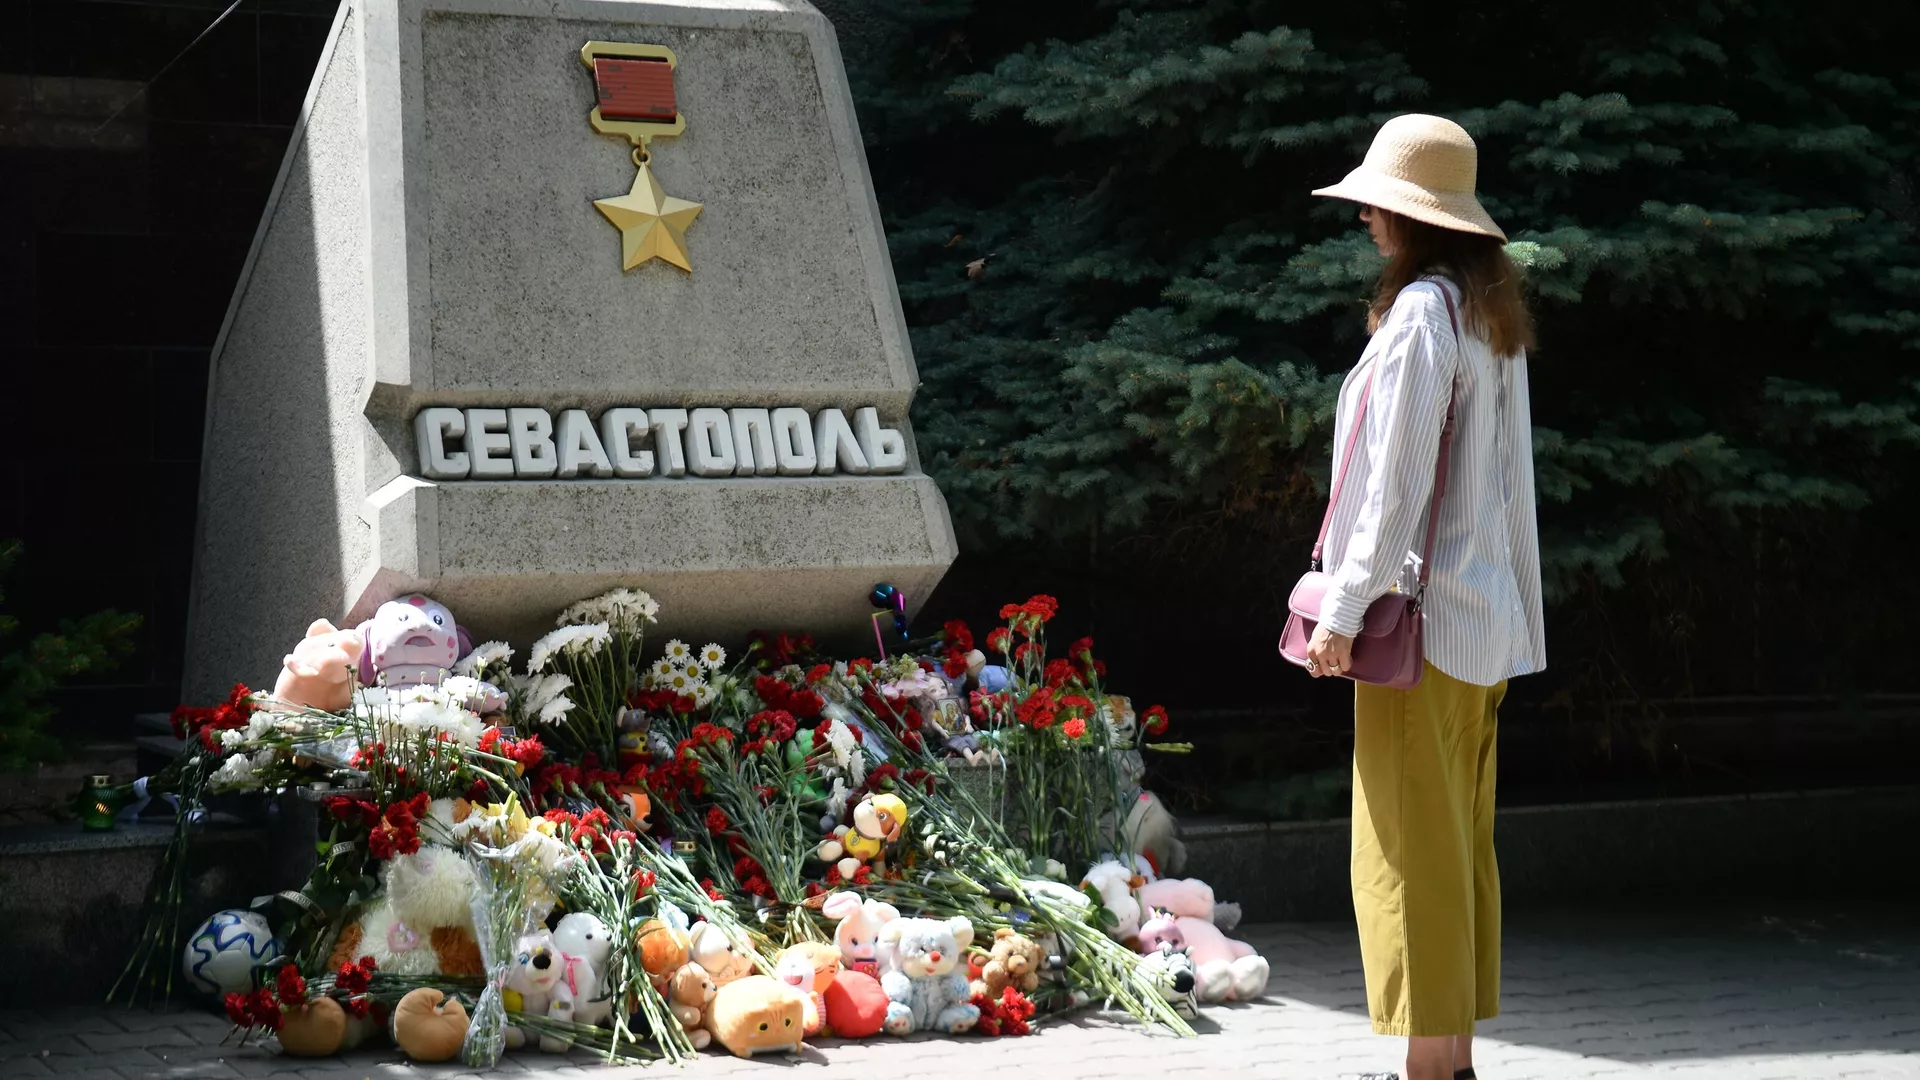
(809,967)
(756,1015)
(322,670)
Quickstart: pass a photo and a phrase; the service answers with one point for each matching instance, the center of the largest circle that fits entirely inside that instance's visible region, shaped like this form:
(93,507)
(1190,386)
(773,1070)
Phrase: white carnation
(233,737)
(239,773)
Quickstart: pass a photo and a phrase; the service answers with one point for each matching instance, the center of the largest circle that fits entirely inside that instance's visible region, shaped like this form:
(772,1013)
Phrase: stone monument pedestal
(446,369)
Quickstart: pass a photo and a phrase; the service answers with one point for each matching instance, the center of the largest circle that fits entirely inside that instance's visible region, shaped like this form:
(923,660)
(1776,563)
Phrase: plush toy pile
(658,855)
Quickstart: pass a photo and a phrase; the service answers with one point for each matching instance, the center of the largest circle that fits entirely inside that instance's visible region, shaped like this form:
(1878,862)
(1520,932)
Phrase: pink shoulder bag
(1389,650)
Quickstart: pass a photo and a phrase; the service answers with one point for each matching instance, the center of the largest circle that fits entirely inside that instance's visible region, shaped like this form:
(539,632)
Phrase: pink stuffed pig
(1228,970)
(320,671)
(412,641)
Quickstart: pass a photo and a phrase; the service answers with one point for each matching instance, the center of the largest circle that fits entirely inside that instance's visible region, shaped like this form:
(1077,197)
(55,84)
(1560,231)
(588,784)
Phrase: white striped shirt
(1482,607)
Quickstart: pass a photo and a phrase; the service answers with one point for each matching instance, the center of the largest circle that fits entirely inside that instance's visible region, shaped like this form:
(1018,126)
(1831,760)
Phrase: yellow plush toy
(758,1014)
(877,821)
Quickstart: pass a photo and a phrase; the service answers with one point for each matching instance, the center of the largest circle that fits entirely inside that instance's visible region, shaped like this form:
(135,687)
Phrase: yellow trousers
(1426,891)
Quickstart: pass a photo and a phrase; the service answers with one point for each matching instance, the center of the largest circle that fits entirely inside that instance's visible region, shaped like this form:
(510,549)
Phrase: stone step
(45,794)
(73,901)
(1764,849)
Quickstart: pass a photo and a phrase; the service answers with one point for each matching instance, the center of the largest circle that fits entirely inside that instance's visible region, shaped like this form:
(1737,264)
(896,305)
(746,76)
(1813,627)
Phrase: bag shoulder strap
(1439,467)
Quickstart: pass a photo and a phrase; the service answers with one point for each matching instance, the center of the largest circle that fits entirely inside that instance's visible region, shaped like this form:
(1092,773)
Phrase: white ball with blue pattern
(220,956)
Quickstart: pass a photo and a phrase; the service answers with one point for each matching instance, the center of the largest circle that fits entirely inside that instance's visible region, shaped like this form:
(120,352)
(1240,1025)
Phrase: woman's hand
(1328,654)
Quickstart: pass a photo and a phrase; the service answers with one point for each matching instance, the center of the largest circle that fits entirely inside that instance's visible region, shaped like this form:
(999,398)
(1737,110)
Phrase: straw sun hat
(1423,167)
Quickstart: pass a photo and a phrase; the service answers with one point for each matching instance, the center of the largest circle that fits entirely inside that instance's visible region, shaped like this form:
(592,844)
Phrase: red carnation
(958,636)
(1155,721)
(266,1011)
(999,639)
(1074,728)
(717,820)
(291,987)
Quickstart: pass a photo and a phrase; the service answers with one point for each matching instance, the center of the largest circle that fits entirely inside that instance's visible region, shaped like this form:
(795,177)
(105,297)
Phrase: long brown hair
(1489,282)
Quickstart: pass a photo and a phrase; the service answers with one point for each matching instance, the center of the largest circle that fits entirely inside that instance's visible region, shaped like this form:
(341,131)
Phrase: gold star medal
(634,87)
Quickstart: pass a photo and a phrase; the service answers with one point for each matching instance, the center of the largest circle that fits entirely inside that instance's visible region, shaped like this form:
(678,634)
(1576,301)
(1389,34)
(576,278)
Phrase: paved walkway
(1753,998)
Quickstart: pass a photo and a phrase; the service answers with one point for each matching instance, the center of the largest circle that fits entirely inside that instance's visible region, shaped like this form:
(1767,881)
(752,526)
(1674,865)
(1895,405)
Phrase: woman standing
(1450,331)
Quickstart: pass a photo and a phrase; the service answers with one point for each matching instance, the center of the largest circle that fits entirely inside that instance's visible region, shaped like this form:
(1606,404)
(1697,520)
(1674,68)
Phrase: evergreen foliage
(30,675)
(1130,316)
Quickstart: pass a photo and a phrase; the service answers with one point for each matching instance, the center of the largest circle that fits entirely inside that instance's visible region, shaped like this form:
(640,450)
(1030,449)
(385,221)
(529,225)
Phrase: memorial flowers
(740,791)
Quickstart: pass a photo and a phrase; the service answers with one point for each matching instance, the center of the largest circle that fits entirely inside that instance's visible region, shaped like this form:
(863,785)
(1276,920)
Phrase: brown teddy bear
(1015,961)
(690,994)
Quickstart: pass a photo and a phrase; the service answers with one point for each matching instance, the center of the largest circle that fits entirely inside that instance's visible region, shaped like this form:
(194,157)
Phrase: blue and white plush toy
(220,956)
(922,970)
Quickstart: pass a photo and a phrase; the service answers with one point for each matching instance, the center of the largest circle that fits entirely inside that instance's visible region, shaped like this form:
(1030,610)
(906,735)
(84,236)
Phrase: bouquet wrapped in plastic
(512,902)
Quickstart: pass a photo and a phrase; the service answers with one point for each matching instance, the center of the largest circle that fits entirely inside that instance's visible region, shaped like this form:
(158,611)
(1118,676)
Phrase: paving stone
(1587,998)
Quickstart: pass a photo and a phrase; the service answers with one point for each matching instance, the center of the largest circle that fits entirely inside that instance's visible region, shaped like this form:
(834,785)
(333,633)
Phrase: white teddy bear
(722,961)
(1115,883)
(922,978)
(584,945)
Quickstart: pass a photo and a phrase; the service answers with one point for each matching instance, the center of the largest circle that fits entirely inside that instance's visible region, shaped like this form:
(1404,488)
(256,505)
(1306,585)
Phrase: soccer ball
(220,956)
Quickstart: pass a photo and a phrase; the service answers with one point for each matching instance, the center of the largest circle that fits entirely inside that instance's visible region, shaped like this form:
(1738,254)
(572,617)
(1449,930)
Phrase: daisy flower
(703,695)
(684,681)
(712,657)
(679,652)
(662,670)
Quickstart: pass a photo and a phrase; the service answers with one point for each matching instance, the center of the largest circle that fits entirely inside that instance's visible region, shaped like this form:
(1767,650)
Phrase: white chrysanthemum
(436,716)
(541,690)
(846,750)
(584,611)
(466,691)
(553,712)
(484,657)
(589,639)
(542,850)
(629,610)
(712,657)
(679,652)
(544,649)
(837,798)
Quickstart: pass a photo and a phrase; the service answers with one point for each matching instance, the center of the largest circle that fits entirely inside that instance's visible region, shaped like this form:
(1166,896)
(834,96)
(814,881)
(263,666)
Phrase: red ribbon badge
(635,89)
